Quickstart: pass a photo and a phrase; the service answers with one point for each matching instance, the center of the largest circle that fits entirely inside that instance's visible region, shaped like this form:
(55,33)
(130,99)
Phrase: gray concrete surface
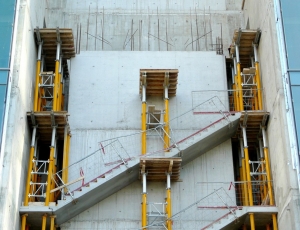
(14,157)
(284,174)
(151,26)
(177,25)
(123,176)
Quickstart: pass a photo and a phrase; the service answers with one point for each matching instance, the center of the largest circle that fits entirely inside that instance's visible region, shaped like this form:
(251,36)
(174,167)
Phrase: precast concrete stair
(123,175)
(239,216)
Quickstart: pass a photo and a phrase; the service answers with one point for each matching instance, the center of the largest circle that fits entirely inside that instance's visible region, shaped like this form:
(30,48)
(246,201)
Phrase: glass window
(291,23)
(5,40)
(295,78)
(7,10)
(296,103)
(3,82)
(7,13)
(6,25)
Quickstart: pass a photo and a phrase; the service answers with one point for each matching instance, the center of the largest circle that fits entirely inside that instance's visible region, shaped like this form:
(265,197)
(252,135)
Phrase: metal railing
(250,97)
(114,152)
(38,182)
(193,217)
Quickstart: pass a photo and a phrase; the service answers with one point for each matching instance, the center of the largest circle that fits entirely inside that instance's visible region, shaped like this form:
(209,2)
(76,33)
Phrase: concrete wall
(108,83)
(14,158)
(152,25)
(284,175)
(122,210)
(104,101)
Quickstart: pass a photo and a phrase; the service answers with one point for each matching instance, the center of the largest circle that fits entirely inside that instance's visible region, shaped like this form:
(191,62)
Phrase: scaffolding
(157,82)
(247,97)
(48,180)
(246,74)
(158,169)
(49,121)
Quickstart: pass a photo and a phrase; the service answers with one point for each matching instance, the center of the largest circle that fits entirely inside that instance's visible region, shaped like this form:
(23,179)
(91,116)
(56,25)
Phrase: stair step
(118,177)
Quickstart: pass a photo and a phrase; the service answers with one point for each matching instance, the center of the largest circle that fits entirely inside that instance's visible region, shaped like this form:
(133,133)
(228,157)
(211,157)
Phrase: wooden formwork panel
(44,121)
(252,120)
(155,81)
(157,168)
(49,46)
(245,45)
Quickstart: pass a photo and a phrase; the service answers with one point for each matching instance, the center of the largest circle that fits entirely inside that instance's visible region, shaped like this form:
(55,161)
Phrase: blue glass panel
(295,78)
(7,10)
(291,23)
(296,103)
(6,22)
(3,77)
(5,40)
(2,98)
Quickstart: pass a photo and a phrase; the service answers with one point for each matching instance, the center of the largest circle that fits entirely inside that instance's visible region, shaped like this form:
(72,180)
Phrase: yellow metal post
(268,171)
(65,157)
(27,188)
(274,218)
(60,108)
(244,177)
(144,210)
(256,106)
(248,176)
(144,202)
(67,162)
(144,144)
(52,195)
(30,163)
(242,198)
(263,179)
(56,78)
(169,203)
(37,78)
(58,93)
(50,167)
(240,90)
(49,178)
(249,186)
(257,78)
(166,115)
(36,91)
(239,79)
(144,114)
(237,102)
(56,85)
(44,221)
(259,93)
(166,127)
(52,224)
(244,184)
(59,88)
(252,223)
(236,87)
(234,98)
(23,226)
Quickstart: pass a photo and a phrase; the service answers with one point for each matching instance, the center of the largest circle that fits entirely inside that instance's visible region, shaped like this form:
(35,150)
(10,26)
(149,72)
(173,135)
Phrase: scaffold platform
(46,120)
(155,80)
(157,168)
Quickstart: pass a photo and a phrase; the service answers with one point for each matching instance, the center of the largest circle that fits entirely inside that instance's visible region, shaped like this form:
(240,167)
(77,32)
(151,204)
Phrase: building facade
(155,104)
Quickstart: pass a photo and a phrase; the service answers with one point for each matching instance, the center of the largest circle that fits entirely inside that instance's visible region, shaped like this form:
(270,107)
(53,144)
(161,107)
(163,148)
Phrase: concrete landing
(240,217)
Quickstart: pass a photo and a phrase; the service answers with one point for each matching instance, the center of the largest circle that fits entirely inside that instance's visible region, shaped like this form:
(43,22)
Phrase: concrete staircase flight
(121,176)
(237,217)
